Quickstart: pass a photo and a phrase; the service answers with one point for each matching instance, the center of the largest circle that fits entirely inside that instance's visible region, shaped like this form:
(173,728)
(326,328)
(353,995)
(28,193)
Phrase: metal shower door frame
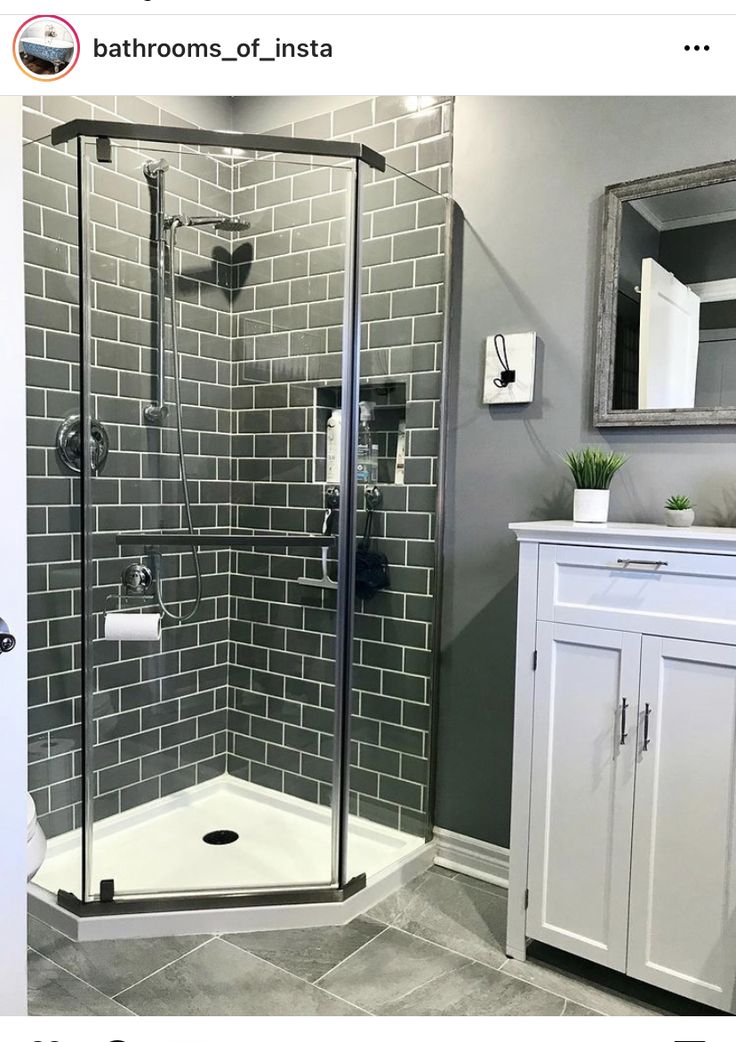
(357,158)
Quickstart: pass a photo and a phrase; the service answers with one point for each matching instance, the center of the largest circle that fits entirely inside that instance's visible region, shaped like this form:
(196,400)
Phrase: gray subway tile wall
(161,711)
(160,716)
(282,695)
(247,686)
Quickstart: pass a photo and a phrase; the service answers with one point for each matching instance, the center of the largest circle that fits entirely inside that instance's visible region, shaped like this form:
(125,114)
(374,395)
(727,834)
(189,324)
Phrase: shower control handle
(7,640)
(137,578)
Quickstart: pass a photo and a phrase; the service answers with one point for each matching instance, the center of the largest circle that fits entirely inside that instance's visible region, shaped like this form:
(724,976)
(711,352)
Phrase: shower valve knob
(137,578)
(7,640)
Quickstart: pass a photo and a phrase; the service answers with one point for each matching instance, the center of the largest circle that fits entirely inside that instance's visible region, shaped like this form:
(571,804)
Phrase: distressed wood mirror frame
(604,415)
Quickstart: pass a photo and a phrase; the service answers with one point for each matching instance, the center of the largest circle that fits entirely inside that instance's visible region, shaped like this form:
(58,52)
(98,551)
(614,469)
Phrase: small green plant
(593,468)
(679,503)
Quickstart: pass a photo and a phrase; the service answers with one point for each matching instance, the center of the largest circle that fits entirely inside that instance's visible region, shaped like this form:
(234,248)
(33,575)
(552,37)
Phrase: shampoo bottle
(367,462)
(332,450)
(400,454)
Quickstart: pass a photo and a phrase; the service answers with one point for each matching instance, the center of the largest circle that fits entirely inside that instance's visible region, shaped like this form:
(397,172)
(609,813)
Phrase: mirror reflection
(675,337)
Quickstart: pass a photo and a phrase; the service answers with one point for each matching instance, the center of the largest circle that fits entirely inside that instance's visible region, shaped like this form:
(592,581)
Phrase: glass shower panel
(401,371)
(210,748)
(55,631)
(291,329)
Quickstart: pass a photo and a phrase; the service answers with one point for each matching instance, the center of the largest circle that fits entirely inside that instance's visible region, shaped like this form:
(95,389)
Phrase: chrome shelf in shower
(221,542)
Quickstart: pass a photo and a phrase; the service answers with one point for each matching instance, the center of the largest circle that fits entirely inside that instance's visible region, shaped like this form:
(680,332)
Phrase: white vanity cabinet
(623,827)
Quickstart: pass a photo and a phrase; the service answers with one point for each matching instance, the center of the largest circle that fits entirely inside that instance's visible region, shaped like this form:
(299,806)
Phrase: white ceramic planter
(590,505)
(679,518)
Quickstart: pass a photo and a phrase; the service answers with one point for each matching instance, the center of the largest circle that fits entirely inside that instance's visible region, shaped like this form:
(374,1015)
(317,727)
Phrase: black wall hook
(508,376)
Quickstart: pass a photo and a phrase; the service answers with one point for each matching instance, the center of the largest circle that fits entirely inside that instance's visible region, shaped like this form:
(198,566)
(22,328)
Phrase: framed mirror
(666,333)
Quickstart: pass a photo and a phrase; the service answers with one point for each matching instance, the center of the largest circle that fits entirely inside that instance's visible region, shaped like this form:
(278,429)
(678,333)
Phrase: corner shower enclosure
(273,745)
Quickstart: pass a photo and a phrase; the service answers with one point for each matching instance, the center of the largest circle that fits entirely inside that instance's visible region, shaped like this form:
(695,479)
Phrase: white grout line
(80,979)
(557,994)
(164,967)
(295,976)
(431,980)
(452,951)
(348,957)
(582,1006)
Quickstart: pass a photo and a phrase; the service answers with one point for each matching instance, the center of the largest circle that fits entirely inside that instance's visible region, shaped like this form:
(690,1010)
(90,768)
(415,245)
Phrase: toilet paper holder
(136,601)
(137,579)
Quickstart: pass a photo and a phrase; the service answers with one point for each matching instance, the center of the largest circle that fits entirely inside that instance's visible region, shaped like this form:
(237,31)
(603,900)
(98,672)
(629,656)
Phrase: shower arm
(159,410)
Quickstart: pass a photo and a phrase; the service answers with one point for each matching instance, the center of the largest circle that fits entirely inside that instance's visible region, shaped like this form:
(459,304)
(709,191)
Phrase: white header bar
(263,54)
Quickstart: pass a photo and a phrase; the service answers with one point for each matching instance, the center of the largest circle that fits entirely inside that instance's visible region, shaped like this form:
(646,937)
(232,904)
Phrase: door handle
(7,640)
(624,732)
(647,714)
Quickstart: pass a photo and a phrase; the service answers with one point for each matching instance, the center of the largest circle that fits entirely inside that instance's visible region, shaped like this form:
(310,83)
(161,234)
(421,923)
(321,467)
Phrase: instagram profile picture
(46,47)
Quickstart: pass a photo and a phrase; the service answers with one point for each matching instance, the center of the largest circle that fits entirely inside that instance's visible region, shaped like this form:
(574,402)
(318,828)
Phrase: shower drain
(220,837)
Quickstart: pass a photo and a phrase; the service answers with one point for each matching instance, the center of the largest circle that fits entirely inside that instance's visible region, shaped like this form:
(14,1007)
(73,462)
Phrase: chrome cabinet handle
(627,562)
(647,714)
(7,640)
(624,732)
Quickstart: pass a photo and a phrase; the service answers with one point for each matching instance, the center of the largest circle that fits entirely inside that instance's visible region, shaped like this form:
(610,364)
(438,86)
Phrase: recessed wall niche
(388,401)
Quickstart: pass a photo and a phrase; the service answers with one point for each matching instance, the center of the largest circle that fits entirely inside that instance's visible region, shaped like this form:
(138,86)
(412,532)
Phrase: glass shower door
(404,225)
(213,756)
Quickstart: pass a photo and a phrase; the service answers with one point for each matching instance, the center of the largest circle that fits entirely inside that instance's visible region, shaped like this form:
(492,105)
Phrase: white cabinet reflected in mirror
(666,350)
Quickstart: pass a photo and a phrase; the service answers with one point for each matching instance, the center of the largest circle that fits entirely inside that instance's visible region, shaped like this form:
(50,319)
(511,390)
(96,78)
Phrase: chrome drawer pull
(626,562)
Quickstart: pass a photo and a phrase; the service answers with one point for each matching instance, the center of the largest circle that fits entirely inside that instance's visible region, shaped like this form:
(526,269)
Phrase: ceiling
(691,206)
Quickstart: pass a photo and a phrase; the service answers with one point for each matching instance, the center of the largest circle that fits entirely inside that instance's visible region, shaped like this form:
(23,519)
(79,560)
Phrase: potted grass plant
(679,512)
(592,471)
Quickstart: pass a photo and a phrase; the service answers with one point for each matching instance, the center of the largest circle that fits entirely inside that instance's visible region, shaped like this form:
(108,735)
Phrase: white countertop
(699,538)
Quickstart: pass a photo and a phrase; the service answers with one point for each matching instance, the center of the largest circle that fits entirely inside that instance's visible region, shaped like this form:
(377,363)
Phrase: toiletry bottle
(364,463)
(400,454)
(332,451)
(373,464)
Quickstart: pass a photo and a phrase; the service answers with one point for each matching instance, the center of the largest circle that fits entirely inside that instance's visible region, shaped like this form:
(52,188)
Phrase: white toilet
(35,839)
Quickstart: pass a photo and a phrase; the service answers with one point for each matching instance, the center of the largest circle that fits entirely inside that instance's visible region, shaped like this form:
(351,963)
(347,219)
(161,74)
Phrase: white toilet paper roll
(132,625)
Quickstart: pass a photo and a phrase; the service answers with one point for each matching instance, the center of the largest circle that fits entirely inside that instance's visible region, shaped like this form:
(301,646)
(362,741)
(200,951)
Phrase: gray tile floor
(435,948)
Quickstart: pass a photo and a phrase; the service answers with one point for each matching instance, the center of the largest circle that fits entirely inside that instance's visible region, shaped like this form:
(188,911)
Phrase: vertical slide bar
(156,176)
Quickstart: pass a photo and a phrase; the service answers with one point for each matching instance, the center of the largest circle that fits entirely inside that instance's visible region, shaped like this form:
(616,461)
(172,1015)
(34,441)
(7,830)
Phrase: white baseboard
(472,857)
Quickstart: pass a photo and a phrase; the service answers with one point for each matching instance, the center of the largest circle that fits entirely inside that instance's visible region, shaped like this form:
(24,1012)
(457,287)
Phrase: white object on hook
(521,349)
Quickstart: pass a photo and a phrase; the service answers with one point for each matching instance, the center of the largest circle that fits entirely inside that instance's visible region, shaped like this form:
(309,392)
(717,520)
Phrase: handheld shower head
(154,167)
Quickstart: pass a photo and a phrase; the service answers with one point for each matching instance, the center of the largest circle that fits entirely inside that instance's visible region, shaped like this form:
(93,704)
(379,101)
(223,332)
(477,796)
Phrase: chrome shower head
(232,224)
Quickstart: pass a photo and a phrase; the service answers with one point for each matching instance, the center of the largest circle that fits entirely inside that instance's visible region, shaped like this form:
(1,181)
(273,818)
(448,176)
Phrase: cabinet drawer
(674,594)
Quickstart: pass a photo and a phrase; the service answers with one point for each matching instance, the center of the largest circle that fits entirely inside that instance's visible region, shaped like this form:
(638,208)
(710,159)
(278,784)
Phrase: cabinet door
(585,700)
(683,876)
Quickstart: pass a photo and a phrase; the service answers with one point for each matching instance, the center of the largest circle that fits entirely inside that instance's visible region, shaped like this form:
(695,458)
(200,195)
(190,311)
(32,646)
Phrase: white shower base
(158,850)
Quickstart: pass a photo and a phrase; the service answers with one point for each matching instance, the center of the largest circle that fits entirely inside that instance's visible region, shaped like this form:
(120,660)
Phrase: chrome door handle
(624,732)
(7,640)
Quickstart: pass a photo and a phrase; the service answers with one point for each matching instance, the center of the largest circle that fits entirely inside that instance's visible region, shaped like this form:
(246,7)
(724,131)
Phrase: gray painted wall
(529,174)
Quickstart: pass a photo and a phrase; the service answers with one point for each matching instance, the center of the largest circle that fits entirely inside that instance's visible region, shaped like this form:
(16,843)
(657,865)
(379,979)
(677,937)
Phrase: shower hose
(184,616)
